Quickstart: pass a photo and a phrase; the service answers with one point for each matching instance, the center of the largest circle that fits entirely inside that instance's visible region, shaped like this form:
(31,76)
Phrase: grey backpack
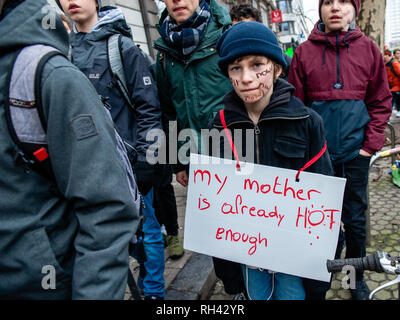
(117,67)
(25,118)
(115,62)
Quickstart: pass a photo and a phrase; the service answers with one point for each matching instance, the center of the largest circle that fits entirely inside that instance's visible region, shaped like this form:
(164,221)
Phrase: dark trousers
(230,273)
(164,199)
(353,218)
(396,100)
(354,206)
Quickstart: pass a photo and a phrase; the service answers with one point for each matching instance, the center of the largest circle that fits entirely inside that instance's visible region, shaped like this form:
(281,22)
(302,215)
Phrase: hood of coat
(282,105)
(329,39)
(111,21)
(32,22)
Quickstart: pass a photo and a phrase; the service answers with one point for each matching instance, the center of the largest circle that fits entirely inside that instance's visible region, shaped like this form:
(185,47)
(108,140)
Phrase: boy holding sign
(287,134)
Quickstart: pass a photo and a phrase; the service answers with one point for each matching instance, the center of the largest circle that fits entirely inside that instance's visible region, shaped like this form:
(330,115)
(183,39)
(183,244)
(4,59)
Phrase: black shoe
(361,292)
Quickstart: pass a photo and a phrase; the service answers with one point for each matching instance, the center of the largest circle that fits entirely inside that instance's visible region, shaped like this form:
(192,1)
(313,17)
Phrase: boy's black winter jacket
(89,53)
(288,134)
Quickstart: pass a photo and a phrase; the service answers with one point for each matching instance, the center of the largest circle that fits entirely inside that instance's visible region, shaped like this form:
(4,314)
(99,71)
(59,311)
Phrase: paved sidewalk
(192,277)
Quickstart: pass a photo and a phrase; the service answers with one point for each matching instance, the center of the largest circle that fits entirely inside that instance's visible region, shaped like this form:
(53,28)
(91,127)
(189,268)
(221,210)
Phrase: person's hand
(144,173)
(365,153)
(182,178)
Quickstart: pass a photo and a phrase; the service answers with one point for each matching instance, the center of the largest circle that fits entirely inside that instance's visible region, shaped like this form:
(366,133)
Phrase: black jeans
(354,206)
(164,199)
(396,100)
(353,218)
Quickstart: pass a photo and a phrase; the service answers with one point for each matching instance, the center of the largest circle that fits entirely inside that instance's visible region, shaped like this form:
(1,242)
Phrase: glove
(144,173)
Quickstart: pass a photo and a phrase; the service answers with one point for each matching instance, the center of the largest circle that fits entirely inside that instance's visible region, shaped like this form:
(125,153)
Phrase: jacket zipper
(257,133)
(337,85)
(186,61)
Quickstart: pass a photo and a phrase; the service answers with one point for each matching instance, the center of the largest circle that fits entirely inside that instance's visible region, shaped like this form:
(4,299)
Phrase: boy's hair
(244,11)
(275,65)
(65,19)
(388,53)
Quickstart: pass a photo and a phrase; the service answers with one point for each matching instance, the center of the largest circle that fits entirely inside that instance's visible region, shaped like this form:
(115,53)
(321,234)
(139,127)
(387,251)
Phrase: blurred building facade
(392,24)
(293,28)
(143,15)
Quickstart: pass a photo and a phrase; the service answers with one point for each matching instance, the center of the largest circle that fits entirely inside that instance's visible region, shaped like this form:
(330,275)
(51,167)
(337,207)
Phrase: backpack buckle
(21,160)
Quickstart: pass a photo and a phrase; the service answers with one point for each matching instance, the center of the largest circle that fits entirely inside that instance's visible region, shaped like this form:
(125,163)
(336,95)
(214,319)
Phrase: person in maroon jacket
(340,73)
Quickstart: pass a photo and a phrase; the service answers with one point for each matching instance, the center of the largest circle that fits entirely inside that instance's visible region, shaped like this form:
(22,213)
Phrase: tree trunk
(371,20)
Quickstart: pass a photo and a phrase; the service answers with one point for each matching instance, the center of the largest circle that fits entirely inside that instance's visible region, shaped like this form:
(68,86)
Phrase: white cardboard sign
(262,217)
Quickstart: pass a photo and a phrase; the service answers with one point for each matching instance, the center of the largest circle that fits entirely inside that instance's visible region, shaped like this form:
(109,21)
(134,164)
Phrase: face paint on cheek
(263,73)
(235,82)
(263,89)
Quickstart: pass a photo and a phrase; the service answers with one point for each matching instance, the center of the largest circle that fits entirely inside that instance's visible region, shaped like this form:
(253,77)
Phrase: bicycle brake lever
(390,283)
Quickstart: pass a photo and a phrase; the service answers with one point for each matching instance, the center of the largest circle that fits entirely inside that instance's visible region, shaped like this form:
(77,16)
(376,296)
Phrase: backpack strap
(117,67)
(163,63)
(23,108)
(392,69)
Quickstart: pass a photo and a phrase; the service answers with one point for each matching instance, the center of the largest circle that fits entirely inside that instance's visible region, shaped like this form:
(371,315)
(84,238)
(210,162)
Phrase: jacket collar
(111,21)
(345,37)
(219,20)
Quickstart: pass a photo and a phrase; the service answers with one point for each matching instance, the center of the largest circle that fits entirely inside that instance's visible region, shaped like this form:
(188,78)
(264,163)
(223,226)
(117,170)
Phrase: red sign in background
(276,16)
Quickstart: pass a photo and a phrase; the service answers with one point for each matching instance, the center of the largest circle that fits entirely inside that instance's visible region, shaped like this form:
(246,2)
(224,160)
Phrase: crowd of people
(81,188)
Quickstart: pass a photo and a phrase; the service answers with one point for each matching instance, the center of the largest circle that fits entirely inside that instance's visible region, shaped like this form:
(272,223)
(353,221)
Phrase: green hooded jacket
(191,91)
(81,236)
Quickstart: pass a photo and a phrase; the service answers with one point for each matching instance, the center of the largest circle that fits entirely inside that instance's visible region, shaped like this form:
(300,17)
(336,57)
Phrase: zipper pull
(256,129)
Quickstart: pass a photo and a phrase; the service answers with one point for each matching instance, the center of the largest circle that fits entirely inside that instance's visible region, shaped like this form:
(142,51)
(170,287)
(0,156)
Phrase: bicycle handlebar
(379,262)
(371,263)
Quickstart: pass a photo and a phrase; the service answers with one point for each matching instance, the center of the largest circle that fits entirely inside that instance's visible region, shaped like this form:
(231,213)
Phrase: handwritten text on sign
(264,218)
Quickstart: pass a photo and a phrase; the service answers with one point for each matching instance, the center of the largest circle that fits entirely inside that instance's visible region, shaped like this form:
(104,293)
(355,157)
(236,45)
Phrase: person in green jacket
(80,224)
(191,86)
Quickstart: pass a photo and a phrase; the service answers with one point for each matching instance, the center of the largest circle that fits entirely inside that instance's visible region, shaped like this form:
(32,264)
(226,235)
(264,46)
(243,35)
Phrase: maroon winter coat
(342,76)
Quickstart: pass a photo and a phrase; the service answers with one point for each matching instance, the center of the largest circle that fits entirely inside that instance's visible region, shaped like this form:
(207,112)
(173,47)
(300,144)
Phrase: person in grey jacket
(93,25)
(84,228)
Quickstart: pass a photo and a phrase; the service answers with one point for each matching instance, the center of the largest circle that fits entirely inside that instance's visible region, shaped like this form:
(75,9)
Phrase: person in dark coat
(340,73)
(287,134)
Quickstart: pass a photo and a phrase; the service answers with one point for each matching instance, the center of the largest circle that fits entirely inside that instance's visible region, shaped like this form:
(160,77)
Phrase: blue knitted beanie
(248,38)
